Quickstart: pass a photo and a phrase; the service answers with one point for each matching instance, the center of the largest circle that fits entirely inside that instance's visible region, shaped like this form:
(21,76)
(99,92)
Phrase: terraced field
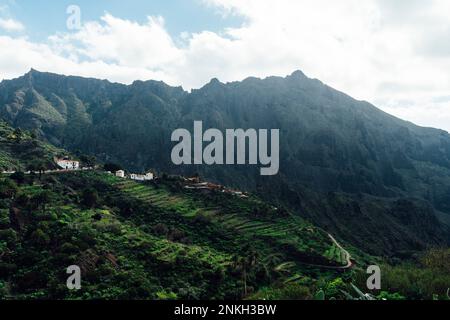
(126,233)
(284,231)
(157,241)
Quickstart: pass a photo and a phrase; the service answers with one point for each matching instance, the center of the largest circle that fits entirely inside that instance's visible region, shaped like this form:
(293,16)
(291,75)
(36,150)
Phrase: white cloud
(18,55)
(11,25)
(426,112)
(392,53)
(123,42)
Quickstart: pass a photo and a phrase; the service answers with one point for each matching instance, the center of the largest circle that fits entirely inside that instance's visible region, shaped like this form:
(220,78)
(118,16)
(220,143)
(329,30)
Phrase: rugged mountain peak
(33,71)
(212,86)
(298,74)
(28,77)
(215,82)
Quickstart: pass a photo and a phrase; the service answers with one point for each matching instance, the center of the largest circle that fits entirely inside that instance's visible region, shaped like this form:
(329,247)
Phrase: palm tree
(39,166)
(269,263)
(245,264)
(284,267)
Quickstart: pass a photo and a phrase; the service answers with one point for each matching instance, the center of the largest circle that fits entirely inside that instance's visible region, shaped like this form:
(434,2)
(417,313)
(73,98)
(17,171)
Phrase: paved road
(50,171)
(348,257)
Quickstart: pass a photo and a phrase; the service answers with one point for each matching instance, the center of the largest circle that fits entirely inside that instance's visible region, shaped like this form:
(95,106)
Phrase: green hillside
(19,150)
(149,241)
(160,241)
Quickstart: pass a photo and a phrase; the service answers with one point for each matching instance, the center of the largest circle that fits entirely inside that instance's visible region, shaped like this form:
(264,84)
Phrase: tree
(42,198)
(160,229)
(438,260)
(39,166)
(18,177)
(90,197)
(245,264)
(40,237)
(8,189)
(112,167)
(268,266)
(89,161)
(18,134)
(23,200)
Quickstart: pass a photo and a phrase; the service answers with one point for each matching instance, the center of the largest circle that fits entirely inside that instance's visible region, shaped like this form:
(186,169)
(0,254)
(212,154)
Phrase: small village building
(120,174)
(193,180)
(142,177)
(8,172)
(68,164)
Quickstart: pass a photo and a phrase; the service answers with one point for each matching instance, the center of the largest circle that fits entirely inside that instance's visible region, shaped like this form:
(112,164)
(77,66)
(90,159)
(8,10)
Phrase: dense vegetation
(152,241)
(20,151)
(160,241)
(381,183)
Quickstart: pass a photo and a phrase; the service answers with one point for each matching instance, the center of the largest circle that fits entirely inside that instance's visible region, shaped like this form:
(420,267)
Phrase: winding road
(348,257)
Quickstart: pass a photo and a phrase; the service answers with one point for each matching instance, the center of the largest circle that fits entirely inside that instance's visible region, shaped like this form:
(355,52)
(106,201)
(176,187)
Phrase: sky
(392,53)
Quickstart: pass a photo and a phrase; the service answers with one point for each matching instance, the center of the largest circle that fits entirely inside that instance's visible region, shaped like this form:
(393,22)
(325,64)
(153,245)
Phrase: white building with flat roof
(142,177)
(120,174)
(68,164)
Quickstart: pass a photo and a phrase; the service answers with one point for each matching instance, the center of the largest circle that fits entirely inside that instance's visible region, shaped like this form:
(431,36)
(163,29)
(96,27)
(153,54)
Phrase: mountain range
(380,183)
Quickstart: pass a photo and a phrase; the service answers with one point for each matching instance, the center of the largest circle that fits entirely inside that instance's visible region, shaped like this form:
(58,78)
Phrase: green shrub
(335,287)
(9,236)
(390,296)
(163,295)
(40,237)
(8,189)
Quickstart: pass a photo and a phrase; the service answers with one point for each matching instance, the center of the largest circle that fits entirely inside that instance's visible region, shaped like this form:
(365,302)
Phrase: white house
(120,174)
(8,172)
(142,177)
(68,164)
